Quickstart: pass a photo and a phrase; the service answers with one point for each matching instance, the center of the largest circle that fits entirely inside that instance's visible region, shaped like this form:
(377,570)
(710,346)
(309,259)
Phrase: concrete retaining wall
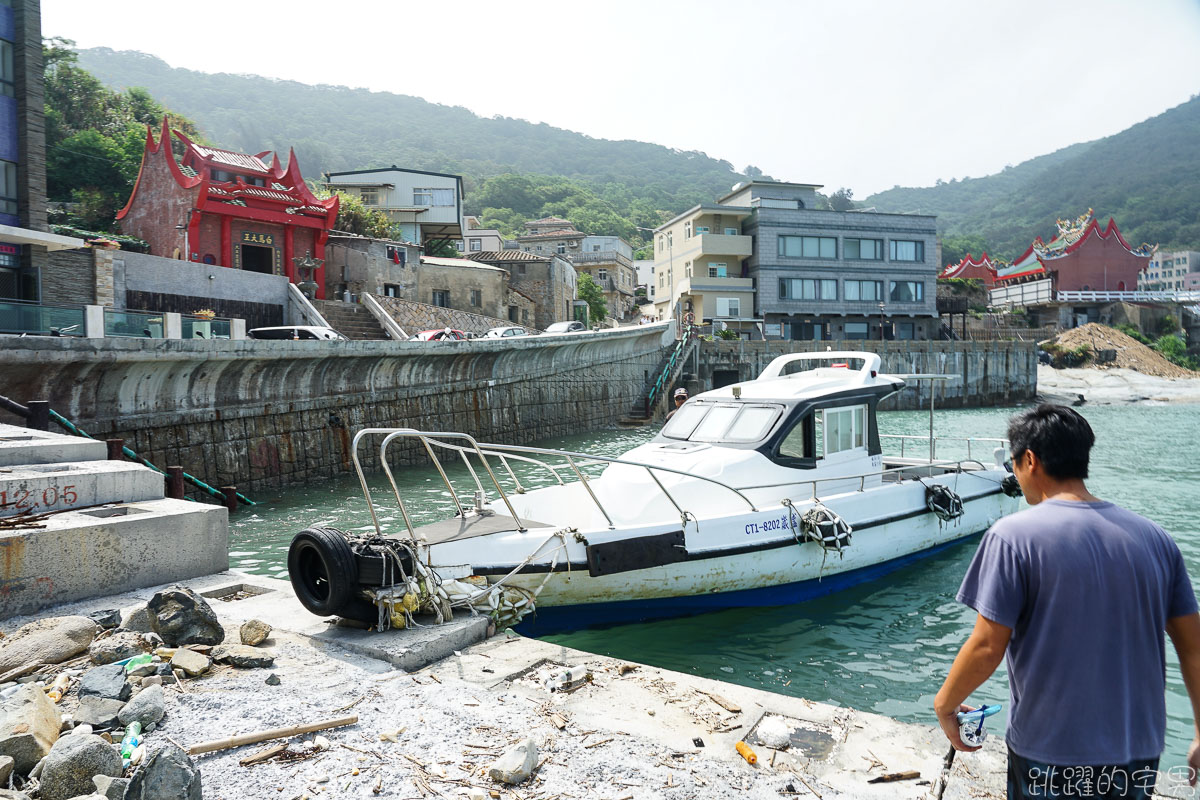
(265,413)
(990,373)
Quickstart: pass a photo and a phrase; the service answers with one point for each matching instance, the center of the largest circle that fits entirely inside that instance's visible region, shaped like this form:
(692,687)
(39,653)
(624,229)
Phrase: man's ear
(1032,462)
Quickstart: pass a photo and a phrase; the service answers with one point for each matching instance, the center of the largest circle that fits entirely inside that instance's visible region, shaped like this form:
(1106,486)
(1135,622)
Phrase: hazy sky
(858,94)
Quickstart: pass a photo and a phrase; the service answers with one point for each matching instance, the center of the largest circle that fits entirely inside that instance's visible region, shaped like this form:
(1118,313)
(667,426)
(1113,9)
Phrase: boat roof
(820,374)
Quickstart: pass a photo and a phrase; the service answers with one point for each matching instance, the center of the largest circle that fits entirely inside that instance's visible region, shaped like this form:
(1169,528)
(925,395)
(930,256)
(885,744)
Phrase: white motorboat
(768,492)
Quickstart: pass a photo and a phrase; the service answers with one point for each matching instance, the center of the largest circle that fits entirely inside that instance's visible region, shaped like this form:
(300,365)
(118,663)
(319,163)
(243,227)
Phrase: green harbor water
(883,646)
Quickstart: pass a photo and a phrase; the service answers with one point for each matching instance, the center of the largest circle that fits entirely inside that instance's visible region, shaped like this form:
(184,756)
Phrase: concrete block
(101,551)
(25,446)
(54,487)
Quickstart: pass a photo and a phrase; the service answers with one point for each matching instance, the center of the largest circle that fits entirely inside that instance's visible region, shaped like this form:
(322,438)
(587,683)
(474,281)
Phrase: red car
(439,335)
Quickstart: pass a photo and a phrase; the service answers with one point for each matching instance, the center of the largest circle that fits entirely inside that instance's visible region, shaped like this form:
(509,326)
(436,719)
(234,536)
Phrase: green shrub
(1174,349)
(727,334)
(1132,332)
(1167,325)
(1061,357)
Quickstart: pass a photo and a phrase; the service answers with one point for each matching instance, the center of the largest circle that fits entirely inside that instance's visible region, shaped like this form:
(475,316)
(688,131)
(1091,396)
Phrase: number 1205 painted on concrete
(50,496)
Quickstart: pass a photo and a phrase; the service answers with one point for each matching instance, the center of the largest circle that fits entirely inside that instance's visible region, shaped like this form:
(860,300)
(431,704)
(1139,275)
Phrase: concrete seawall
(263,413)
(989,373)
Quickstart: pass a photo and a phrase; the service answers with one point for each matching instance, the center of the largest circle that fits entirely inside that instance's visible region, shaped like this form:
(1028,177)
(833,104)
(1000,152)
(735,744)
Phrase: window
(8,187)
(433,197)
(807,289)
(906,291)
(731,231)
(476,298)
(867,291)
(808,246)
(475,244)
(907,251)
(391,290)
(856,330)
(595,248)
(845,428)
(701,229)
(397,255)
(863,249)
(729,306)
(441,297)
(512,313)
(706,422)
(905,330)
(687,230)
(7,76)
(716,270)
(602,274)
(561,248)
(520,269)
(370,197)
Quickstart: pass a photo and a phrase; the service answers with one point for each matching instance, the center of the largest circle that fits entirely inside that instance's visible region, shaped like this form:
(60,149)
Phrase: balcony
(719,244)
(702,283)
(603,257)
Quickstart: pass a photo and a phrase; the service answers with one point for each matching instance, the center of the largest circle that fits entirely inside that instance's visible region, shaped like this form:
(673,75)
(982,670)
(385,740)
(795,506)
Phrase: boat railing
(905,438)
(575,463)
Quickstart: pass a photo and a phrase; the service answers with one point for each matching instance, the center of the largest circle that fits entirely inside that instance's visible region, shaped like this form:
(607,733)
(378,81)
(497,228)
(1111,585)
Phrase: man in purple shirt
(1075,593)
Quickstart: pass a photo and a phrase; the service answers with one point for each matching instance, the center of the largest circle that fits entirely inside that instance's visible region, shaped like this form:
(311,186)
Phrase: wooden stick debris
(723,702)
(274,733)
(20,672)
(907,775)
(597,744)
(263,755)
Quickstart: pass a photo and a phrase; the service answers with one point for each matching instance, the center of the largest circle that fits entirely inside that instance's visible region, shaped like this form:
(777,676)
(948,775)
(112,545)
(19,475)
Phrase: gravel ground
(451,732)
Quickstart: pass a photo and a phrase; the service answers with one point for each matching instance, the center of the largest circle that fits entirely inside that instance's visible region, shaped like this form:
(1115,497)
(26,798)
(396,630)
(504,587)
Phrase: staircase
(351,319)
(670,370)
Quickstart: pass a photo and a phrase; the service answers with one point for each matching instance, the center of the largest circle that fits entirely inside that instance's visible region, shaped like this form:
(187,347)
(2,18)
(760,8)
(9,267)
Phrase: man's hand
(1193,761)
(949,722)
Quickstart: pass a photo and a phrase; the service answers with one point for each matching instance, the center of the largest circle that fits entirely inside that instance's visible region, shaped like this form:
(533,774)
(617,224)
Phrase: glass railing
(133,324)
(40,320)
(203,328)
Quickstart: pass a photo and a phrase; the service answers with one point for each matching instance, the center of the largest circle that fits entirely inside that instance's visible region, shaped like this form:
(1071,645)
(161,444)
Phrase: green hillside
(1147,177)
(337,128)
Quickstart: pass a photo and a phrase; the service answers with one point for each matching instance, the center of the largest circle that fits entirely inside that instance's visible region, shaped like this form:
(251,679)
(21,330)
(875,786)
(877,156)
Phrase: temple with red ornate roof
(227,209)
(1081,257)
(971,268)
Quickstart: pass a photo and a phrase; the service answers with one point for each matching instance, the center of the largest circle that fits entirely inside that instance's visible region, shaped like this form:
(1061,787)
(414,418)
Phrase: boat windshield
(722,422)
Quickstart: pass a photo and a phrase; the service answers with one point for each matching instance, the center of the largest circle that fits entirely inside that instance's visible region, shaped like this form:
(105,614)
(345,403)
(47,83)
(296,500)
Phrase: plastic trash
(59,688)
(130,741)
(745,752)
(137,661)
(970,724)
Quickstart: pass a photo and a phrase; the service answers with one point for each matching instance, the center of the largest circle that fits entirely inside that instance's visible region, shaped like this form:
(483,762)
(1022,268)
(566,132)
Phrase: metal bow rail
(575,463)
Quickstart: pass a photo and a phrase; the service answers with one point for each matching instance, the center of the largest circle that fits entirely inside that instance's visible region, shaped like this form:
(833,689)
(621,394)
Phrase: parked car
(566,327)
(439,335)
(505,332)
(296,332)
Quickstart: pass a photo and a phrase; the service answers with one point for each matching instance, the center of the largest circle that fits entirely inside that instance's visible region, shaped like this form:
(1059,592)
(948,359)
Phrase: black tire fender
(323,571)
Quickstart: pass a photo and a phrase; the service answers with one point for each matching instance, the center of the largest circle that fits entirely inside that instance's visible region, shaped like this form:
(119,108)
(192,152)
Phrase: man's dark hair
(1059,436)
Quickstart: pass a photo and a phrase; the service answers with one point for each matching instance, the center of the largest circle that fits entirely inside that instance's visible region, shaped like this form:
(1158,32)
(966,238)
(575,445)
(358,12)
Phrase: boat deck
(459,528)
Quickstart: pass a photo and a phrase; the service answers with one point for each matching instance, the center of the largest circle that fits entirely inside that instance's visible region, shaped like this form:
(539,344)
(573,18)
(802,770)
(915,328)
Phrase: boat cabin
(820,416)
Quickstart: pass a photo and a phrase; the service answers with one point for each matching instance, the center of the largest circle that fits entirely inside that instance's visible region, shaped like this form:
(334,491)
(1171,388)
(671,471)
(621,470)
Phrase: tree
(442,248)
(955,248)
(841,200)
(354,217)
(589,291)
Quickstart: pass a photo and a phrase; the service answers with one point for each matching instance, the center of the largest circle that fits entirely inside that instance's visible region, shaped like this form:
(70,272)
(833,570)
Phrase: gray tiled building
(837,275)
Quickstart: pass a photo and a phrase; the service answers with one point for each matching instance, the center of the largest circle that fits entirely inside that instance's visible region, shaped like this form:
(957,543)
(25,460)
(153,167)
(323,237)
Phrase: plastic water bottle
(130,741)
(137,661)
(970,725)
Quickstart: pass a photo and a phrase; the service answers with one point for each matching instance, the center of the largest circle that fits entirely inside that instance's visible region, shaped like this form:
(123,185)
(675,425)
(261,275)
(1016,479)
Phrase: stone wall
(414,317)
(989,373)
(69,278)
(265,413)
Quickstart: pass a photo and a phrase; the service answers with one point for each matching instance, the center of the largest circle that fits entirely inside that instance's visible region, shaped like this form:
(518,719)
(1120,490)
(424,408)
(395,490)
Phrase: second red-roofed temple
(227,209)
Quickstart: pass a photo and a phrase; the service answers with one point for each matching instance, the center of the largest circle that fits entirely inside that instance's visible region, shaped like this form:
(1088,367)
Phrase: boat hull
(732,562)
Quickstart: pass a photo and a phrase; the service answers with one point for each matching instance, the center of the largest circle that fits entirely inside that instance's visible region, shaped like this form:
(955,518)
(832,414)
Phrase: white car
(505,332)
(294,332)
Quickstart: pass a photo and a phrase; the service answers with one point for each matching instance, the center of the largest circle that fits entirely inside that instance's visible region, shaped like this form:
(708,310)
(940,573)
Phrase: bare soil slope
(1131,354)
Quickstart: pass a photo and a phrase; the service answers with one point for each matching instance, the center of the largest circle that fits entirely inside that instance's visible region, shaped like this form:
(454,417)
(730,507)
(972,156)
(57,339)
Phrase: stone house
(607,259)
(466,285)
(548,280)
(358,264)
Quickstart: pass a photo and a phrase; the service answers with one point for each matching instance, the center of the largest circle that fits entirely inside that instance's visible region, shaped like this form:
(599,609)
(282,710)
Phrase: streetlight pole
(881,322)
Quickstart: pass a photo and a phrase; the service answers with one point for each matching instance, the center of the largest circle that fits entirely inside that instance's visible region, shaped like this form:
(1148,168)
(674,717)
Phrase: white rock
(516,765)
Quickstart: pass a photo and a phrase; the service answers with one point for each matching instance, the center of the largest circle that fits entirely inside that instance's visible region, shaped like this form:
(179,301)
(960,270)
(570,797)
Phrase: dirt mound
(1131,354)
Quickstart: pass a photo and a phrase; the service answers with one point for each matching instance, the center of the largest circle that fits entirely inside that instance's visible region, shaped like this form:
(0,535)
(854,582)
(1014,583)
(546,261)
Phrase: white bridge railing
(1041,292)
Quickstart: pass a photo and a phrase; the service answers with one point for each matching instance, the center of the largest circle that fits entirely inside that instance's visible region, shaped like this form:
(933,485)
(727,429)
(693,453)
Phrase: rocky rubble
(72,687)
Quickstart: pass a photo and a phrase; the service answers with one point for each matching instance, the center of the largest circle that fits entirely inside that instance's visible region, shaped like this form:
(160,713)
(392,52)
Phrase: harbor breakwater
(270,413)
(983,373)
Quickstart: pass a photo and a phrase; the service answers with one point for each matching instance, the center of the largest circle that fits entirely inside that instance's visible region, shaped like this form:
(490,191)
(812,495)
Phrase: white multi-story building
(427,206)
(1170,272)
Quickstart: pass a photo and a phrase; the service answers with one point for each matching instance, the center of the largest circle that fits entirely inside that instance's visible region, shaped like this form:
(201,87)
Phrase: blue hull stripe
(559,619)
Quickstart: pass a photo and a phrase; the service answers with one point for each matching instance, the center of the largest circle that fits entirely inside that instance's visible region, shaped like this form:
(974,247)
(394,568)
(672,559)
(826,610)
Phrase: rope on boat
(427,591)
(944,502)
(820,524)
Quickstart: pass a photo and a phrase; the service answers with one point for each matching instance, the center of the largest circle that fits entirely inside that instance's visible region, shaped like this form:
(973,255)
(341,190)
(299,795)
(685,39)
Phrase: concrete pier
(77,526)
(631,731)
